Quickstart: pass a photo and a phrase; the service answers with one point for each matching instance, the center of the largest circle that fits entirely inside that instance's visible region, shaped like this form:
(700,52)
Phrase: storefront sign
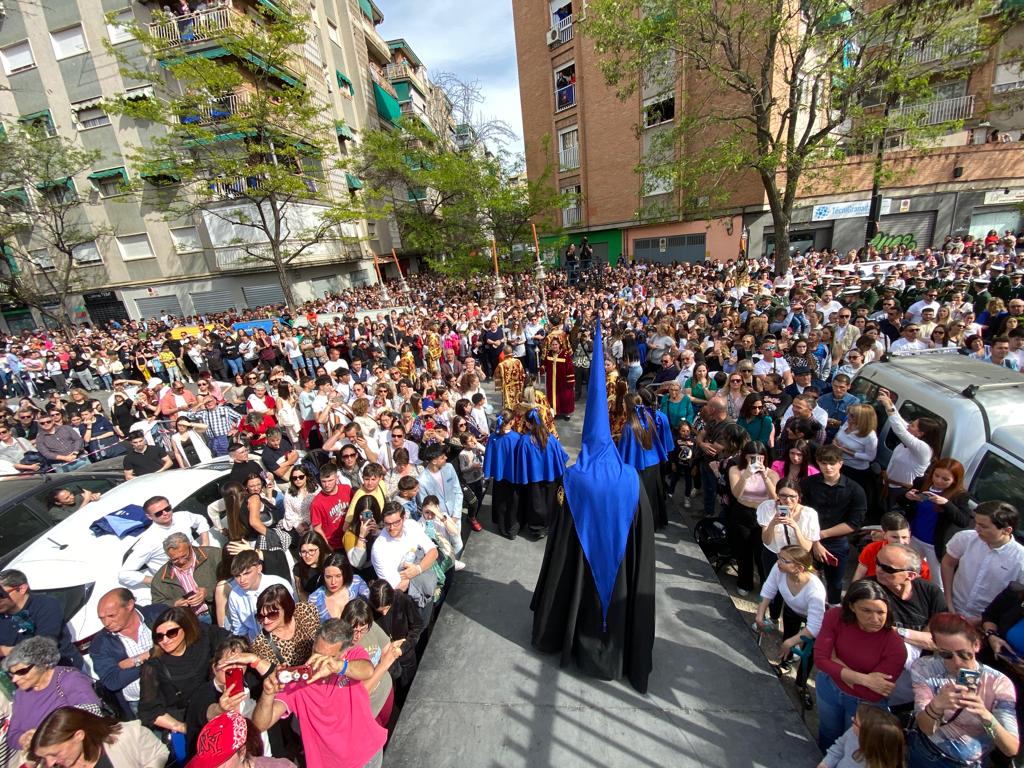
(855,210)
(1001,196)
(883,239)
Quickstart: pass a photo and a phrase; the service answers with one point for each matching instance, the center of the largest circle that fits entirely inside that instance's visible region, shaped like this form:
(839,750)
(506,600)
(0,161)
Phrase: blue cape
(666,442)
(633,452)
(500,460)
(535,465)
(601,490)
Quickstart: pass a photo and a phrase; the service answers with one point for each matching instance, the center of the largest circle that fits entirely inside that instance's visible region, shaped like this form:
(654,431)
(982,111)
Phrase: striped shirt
(134,648)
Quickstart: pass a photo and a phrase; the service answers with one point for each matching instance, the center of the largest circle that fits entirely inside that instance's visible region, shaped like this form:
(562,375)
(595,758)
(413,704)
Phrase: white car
(77,567)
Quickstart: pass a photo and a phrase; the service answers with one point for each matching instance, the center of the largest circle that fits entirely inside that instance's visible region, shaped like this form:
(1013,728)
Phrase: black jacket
(403,621)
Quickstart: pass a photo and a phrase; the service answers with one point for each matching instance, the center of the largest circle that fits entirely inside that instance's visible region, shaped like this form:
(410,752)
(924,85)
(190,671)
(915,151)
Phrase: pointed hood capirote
(601,490)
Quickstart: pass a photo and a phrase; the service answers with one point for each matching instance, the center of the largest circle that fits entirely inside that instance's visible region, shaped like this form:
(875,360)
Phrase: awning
(78,106)
(233,136)
(354,182)
(273,7)
(110,173)
(387,105)
(162,172)
(17,194)
(35,117)
(344,82)
(143,92)
(343,130)
(54,183)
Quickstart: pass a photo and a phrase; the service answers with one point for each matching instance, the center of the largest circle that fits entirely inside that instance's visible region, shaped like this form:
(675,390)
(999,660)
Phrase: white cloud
(474,41)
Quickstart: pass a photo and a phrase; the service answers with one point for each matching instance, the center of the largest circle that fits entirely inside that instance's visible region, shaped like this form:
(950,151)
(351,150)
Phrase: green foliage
(781,89)
(450,204)
(44,222)
(246,140)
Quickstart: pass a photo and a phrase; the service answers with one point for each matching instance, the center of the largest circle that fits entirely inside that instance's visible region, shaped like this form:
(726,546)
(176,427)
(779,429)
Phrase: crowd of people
(362,441)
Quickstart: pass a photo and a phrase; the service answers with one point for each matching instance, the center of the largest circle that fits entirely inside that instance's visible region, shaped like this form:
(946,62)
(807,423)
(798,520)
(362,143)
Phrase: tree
(247,143)
(449,204)
(49,243)
(473,130)
(781,89)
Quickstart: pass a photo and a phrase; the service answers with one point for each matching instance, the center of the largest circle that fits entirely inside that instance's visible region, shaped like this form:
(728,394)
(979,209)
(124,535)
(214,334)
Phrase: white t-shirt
(807,522)
(776,365)
(809,601)
(389,555)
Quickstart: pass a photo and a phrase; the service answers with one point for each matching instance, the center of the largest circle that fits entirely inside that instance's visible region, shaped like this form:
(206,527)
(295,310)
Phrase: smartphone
(367,514)
(233,680)
(190,593)
(968,678)
(287,675)
(782,511)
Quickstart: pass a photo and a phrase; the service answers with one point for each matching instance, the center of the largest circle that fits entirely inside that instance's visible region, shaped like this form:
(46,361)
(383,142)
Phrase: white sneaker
(740,592)
(459,565)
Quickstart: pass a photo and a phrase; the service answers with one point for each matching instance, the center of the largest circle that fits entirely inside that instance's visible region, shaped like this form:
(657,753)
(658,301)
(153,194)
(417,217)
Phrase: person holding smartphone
(751,483)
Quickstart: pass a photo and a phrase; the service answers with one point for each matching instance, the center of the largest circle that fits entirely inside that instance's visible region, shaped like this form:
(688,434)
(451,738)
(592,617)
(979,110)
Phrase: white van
(979,405)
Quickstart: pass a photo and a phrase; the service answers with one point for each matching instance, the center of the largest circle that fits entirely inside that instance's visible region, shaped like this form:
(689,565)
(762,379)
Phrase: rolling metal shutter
(262,295)
(209,302)
(154,306)
(682,248)
(921,225)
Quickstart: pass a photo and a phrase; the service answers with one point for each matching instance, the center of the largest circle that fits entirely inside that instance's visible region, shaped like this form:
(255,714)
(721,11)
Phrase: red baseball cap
(219,740)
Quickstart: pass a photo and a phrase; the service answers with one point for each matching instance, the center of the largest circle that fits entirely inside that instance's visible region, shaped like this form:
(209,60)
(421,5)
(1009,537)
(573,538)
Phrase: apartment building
(593,141)
(55,71)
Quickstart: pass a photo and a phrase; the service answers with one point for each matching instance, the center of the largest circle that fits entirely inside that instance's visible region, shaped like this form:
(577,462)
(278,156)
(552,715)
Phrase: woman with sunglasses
(960,724)
(302,488)
(177,666)
(734,395)
(791,582)
(287,629)
(42,685)
(308,570)
(753,418)
(341,584)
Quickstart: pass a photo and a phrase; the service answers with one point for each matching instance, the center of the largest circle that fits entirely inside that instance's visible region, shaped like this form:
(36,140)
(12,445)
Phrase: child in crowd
(895,530)
(681,466)
(405,496)
(471,467)
(479,413)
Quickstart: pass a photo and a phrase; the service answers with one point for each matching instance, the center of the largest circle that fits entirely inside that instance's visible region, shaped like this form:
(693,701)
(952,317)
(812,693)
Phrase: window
(569,149)
(332,33)
(657,184)
(109,187)
(69,42)
(998,480)
(41,259)
(86,253)
(572,213)
(186,239)
(565,87)
(41,121)
(135,247)
(93,117)
(17,57)
(110,182)
(659,110)
(120,31)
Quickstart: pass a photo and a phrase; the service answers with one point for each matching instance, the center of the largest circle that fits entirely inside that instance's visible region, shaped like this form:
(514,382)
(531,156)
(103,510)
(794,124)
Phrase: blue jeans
(71,466)
(235,365)
(836,709)
(921,753)
(219,445)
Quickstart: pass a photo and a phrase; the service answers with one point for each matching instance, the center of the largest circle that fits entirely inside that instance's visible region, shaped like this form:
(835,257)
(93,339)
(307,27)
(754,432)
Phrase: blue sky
(474,40)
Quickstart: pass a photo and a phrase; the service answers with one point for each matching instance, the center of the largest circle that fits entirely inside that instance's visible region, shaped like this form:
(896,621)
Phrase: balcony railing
(941,111)
(193,28)
(571,216)
(1008,87)
(405,72)
(564,29)
(925,53)
(565,97)
(260,255)
(569,158)
(233,188)
(378,76)
(221,109)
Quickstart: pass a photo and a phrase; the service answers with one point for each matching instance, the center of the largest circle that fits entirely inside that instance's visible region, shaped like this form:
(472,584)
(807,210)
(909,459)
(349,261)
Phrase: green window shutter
(387,105)
(354,182)
(110,173)
(344,82)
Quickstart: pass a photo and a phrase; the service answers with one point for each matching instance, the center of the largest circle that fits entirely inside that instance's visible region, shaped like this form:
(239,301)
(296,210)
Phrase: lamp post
(499,289)
(539,269)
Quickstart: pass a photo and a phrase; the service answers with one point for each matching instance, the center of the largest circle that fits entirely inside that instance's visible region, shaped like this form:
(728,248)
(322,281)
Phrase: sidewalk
(483,697)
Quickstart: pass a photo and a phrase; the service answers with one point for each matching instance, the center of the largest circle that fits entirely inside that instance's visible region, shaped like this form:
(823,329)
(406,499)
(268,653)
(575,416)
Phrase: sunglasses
(298,477)
(892,569)
(160,512)
(962,655)
(22,671)
(270,615)
(170,634)
(348,455)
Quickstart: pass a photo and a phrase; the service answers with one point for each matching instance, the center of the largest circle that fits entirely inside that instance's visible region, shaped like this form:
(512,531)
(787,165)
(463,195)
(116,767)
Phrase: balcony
(405,72)
(258,255)
(569,158)
(412,109)
(565,97)
(221,109)
(249,186)
(926,53)
(376,46)
(193,28)
(564,27)
(378,76)
(940,111)
(571,216)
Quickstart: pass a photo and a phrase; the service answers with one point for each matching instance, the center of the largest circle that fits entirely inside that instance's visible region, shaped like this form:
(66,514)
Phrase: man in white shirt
(909,339)
(402,556)
(828,306)
(247,582)
(979,564)
(769,363)
(334,361)
(148,555)
(929,301)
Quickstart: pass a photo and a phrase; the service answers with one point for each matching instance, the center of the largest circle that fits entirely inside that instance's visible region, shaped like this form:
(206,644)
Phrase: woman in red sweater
(859,657)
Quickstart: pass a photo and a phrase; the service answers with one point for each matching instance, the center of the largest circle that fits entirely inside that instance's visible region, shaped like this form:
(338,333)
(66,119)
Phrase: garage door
(682,248)
(262,295)
(154,306)
(921,225)
(982,222)
(208,302)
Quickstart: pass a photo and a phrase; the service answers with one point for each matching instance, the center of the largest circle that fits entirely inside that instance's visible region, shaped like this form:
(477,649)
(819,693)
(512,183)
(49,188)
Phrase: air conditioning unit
(552,35)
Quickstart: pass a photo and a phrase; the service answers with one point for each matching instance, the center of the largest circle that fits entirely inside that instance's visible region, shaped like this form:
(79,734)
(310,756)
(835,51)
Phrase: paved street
(492,700)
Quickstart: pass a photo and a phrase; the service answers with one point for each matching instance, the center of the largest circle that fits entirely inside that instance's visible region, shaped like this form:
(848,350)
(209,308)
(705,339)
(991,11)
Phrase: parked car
(72,564)
(984,402)
(25,509)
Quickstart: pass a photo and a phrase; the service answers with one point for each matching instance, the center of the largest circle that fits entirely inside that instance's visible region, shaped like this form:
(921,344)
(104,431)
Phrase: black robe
(567,611)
